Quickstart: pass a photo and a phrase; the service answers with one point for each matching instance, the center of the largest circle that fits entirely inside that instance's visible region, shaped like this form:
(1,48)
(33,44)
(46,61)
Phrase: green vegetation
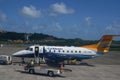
(115,46)
(6,36)
(43,39)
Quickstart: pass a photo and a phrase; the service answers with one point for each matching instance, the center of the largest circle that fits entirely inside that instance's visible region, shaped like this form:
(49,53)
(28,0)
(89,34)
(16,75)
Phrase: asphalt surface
(105,67)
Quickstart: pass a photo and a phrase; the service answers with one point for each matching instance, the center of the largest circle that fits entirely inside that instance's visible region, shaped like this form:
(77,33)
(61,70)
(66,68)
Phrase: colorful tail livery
(103,45)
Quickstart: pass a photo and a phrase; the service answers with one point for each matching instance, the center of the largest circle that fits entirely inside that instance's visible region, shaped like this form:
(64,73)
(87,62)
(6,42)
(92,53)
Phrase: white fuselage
(56,52)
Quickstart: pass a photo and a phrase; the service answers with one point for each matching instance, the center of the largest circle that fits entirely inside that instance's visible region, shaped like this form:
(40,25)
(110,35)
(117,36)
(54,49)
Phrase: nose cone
(19,53)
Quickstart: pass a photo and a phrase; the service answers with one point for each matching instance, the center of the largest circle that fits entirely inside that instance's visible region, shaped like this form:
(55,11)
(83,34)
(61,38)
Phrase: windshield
(28,48)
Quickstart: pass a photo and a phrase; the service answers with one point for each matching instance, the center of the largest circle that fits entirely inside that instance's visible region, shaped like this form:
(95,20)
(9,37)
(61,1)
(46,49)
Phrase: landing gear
(22,60)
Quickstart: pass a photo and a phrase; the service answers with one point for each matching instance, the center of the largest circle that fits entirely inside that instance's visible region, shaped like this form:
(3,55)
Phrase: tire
(31,71)
(50,73)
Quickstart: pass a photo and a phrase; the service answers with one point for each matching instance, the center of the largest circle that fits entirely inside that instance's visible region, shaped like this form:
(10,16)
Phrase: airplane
(57,54)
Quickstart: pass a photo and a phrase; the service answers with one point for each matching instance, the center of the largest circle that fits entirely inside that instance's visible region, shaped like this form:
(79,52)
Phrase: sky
(86,19)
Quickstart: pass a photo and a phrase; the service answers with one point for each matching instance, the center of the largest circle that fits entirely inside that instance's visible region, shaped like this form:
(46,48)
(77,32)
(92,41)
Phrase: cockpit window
(27,48)
(31,49)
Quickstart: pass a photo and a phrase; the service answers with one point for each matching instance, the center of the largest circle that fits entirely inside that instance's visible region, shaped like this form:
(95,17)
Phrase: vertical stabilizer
(104,43)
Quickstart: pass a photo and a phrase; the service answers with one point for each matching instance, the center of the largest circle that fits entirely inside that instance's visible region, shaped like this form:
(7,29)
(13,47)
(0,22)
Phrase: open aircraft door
(36,54)
(36,51)
(39,51)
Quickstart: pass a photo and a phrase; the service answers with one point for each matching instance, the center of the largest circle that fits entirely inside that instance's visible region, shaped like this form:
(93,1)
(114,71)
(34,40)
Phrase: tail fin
(103,45)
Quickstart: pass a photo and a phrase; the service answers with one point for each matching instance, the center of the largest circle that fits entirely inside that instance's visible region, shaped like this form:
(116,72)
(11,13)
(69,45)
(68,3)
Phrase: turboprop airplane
(56,54)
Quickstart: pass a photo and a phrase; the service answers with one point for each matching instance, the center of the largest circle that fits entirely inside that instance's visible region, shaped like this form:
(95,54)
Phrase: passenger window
(58,50)
(67,51)
(90,52)
(75,51)
(79,51)
(49,50)
(71,51)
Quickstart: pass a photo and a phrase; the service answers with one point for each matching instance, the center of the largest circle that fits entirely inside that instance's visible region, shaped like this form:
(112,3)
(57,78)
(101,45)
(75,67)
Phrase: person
(36,51)
(32,63)
(61,65)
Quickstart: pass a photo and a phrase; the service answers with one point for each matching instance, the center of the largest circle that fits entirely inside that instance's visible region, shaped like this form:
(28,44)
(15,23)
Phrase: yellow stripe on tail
(103,45)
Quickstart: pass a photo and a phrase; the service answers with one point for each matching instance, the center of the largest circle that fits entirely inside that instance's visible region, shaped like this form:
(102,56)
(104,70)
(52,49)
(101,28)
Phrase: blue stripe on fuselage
(57,56)
(99,53)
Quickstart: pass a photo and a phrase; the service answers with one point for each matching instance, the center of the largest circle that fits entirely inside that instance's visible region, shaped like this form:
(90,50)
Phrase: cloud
(113,28)
(3,17)
(61,8)
(58,26)
(53,14)
(31,11)
(88,21)
(109,28)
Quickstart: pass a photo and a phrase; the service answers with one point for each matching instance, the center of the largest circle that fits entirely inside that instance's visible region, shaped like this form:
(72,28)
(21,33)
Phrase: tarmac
(105,67)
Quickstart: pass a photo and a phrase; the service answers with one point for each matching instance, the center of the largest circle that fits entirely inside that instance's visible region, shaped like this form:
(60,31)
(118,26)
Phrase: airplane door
(36,51)
(36,54)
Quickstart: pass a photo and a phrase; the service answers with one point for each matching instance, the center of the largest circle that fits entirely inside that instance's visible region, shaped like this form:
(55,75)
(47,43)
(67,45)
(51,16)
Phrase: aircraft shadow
(83,64)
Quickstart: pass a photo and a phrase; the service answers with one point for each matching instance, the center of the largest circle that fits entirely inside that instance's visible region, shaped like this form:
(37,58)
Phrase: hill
(44,39)
(5,36)
(39,38)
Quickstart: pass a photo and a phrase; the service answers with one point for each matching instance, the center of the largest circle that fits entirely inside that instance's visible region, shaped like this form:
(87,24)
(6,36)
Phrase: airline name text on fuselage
(55,48)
